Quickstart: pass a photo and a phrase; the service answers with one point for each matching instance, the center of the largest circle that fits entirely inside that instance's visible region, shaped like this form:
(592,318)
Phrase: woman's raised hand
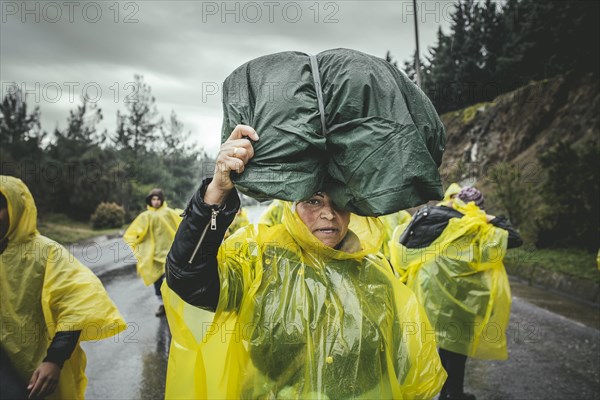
(234,154)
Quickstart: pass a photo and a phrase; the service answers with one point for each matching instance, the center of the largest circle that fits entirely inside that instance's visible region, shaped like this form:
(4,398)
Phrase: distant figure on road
(49,302)
(150,236)
(452,256)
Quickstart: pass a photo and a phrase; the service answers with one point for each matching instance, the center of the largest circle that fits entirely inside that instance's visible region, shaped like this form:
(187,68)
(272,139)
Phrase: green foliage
(80,167)
(108,215)
(137,130)
(571,196)
(511,192)
(513,195)
(572,262)
(19,129)
(469,113)
(65,230)
(493,48)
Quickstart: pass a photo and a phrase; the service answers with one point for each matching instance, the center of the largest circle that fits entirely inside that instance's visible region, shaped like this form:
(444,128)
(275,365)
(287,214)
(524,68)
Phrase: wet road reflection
(133,364)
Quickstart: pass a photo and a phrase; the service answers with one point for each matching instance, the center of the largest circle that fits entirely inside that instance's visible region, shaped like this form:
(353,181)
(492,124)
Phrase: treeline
(495,47)
(74,169)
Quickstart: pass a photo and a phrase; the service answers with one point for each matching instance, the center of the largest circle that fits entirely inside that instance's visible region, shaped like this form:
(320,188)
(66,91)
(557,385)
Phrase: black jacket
(430,221)
(191,267)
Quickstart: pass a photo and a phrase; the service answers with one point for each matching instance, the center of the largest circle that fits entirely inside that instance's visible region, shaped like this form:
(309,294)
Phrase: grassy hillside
(500,142)
(67,231)
(515,129)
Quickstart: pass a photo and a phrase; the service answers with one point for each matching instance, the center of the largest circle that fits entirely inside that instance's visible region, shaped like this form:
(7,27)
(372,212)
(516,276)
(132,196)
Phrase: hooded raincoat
(452,190)
(46,290)
(461,281)
(150,236)
(298,319)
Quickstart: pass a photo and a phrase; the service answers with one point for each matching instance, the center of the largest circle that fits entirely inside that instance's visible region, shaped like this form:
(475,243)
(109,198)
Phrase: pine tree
(137,130)
(19,129)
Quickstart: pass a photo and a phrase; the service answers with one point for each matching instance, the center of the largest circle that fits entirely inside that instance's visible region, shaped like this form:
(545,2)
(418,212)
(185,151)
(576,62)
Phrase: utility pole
(417,53)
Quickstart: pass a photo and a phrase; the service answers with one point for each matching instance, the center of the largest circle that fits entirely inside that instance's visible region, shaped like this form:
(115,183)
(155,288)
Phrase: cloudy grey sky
(59,50)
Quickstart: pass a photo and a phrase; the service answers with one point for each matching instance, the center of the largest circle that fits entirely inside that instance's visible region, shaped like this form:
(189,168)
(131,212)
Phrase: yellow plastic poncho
(273,214)
(452,190)
(150,236)
(390,222)
(241,220)
(298,319)
(461,281)
(46,290)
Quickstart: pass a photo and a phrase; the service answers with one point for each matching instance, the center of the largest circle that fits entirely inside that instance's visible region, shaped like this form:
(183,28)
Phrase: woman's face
(155,202)
(327,222)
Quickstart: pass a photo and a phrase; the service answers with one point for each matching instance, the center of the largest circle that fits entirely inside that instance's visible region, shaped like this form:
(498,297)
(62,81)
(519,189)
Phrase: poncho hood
(367,231)
(163,206)
(155,192)
(22,212)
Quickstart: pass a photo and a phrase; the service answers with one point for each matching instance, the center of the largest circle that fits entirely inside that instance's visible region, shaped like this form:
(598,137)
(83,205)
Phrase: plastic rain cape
(150,236)
(241,220)
(452,190)
(273,214)
(461,281)
(297,319)
(46,290)
(391,222)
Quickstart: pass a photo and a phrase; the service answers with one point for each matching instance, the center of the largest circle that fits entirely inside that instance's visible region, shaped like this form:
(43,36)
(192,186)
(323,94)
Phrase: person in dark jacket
(454,283)
(319,312)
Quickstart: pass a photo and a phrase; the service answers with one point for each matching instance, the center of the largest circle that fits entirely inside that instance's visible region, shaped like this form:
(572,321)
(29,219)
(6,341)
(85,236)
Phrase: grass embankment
(67,231)
(528,260)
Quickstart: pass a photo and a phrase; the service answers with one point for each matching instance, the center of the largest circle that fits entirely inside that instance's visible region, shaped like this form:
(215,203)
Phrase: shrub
(572,197)
(108,215)
(512,192)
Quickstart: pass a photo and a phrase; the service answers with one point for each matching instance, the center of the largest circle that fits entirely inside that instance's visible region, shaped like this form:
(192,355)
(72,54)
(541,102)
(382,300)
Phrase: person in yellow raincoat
(305,309)
(451,257)
(273,214)
(241,220)
(49,303)
(150,236)
(390,222)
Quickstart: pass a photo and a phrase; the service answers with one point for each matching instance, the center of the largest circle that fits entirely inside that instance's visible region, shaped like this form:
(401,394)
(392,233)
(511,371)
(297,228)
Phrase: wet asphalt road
(133,364)
(550,355)
(554,348)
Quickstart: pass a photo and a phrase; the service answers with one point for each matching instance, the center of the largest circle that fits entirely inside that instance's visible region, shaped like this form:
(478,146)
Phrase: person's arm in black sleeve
(191,267)
(62,347)
(514,239)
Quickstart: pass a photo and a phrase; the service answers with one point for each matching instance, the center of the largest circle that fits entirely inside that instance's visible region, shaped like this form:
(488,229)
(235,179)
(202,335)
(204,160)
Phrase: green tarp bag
(342,121)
